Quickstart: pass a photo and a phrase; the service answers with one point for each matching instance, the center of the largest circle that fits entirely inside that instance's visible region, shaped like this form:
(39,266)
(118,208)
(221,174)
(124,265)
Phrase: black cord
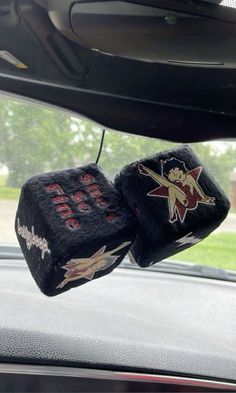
(100,147)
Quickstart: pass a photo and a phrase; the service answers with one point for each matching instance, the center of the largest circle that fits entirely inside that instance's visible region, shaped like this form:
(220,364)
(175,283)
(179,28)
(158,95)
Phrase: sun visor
(152,34)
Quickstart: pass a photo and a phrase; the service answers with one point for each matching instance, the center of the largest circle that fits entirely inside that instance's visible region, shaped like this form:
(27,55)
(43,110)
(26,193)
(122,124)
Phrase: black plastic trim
(153,119)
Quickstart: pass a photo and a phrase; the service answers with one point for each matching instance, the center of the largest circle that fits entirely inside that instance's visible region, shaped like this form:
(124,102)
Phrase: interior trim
(141,117)
(113,375)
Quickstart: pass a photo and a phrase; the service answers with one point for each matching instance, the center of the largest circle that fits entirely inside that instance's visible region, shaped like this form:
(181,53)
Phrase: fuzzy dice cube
(73,226)
(176,201)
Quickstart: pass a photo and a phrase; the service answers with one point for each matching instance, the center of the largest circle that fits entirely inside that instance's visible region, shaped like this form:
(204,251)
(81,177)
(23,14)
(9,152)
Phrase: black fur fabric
(72,226)
(176,201)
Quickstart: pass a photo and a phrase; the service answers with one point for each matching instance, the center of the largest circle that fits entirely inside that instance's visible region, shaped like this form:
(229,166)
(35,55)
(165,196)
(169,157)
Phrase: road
(8,211)
(7,219)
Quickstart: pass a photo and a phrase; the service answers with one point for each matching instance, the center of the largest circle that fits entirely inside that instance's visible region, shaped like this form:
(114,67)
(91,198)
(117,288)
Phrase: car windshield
(36,138)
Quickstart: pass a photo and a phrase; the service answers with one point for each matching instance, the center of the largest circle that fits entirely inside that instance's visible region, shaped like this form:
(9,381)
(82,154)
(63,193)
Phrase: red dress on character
(192,199)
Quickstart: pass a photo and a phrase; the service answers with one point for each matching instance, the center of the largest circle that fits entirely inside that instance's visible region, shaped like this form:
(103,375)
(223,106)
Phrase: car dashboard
(136,330)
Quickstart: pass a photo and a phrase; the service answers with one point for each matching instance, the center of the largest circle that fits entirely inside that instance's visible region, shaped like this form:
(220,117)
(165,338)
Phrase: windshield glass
(36,138)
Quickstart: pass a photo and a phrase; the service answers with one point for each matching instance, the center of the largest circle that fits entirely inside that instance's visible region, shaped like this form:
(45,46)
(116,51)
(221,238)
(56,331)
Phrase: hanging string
(100,147)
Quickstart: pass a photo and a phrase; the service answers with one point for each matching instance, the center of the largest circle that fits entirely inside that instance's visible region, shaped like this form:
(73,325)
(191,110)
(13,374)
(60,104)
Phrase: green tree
(220,159)
(121,149)
(35,139)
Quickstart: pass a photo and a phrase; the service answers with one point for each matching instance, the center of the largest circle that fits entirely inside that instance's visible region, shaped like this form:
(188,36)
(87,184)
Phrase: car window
(36,138)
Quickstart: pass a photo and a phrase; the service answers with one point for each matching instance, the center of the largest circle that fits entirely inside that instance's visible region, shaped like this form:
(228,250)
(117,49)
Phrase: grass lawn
(9,193)
(218,250)
(2,180)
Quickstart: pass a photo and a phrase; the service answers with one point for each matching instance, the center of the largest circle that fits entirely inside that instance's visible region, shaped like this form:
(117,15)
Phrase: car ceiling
(168,101)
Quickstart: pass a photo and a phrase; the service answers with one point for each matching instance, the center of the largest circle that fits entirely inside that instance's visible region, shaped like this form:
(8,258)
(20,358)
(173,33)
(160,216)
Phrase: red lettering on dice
(72,223)
(79,196)
(59,199)
(87,178)
(83,206)
(100,201)
(55,188)
(94,190)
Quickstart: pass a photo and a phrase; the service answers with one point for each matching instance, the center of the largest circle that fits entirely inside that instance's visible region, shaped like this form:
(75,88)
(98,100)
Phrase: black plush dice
(73,226)
(176,201)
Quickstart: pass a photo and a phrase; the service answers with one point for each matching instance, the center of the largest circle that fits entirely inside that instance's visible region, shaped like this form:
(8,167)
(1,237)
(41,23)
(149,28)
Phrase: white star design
(188,239)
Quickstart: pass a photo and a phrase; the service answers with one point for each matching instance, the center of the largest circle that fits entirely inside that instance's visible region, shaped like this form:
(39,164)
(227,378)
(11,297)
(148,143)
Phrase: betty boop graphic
(179,185)
(87,267)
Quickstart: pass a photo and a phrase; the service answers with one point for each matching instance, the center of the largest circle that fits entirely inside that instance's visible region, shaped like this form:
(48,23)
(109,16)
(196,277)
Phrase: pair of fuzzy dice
(176,201)
(73,226)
